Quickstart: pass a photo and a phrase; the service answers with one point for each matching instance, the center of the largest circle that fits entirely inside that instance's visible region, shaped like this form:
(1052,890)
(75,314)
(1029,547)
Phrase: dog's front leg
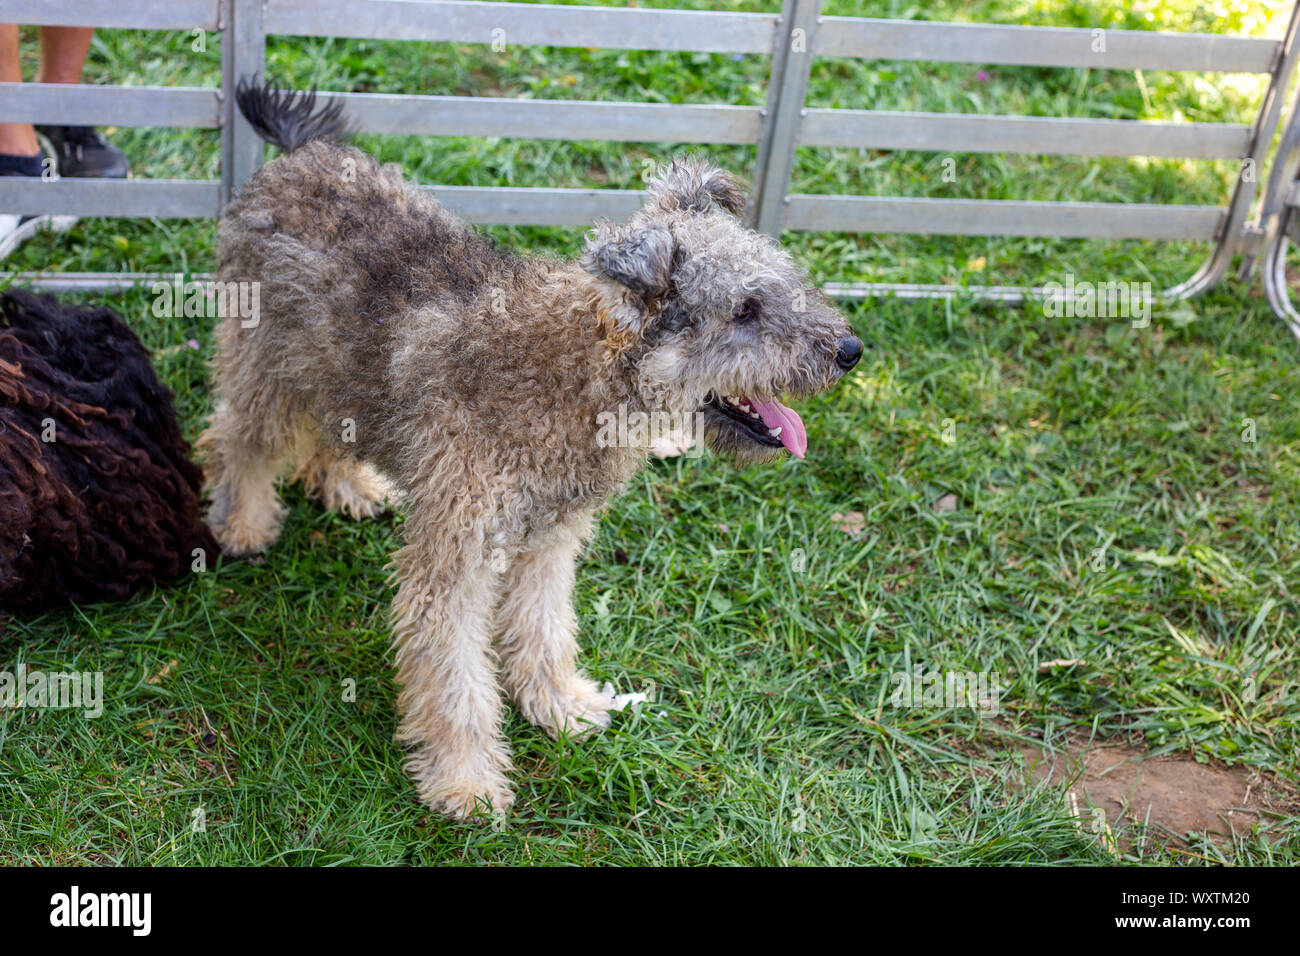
(449,703)
(537,637)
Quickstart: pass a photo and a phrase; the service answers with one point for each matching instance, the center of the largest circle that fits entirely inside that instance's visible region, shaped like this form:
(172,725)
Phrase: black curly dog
(98,496)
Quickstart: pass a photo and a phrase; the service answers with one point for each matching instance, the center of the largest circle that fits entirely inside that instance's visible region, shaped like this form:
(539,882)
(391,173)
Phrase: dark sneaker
(82,151)
(16,229)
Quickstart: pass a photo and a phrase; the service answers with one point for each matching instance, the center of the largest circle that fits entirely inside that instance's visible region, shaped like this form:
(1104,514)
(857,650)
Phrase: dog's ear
(639,258)
(695,185)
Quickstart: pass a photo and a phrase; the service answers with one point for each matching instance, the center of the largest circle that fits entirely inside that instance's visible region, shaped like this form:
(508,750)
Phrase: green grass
(772,738)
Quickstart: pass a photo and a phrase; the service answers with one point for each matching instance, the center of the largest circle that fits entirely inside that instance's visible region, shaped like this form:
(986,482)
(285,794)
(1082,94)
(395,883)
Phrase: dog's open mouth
(765,421)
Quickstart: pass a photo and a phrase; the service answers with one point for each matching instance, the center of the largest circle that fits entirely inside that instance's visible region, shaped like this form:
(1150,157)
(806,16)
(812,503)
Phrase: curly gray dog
(394,340)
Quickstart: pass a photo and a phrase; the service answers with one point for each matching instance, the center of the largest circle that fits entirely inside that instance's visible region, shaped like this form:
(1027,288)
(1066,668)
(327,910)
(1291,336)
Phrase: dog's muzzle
(848,352)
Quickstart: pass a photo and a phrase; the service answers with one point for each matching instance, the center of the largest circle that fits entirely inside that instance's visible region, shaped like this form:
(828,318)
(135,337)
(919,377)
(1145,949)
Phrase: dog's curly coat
(98,497)
(394,336)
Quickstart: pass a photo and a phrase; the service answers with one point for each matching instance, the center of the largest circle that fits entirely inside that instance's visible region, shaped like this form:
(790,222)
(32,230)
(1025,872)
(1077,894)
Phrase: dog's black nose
(850,350)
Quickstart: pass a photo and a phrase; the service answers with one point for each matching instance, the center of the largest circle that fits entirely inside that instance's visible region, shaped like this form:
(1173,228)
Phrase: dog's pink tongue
(775,415)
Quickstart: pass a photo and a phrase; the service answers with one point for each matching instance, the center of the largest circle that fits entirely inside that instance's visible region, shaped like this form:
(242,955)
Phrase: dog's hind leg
(241,463)
(342,484)
(537,637)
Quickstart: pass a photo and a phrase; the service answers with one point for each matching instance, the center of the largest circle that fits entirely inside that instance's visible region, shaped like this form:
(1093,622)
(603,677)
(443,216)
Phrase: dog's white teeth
(775,432)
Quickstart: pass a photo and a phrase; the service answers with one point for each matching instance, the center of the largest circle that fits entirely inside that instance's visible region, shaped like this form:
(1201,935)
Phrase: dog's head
(717,317)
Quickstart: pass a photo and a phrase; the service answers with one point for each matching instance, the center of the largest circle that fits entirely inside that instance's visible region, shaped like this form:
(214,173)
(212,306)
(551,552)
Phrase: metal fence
(794,39)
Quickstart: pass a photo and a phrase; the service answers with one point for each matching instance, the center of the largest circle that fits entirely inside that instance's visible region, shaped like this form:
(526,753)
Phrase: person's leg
(80,150)
(63,53)
(16,139)
(20,150)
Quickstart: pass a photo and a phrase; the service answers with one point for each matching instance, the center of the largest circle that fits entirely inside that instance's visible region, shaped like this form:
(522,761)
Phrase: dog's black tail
(287,119)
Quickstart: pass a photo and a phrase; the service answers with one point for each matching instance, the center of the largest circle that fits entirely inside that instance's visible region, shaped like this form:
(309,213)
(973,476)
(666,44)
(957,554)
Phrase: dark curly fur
(110,506)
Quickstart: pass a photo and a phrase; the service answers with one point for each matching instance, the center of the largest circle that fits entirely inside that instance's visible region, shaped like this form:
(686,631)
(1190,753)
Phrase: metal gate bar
(1039,46)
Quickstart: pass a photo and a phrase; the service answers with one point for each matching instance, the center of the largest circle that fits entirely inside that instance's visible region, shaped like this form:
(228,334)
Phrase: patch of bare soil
(1170,796)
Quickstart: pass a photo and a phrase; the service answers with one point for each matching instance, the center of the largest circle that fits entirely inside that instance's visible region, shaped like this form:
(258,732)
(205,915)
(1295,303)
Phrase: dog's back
(369,284)
(324,199)
(352,263)
(332,203)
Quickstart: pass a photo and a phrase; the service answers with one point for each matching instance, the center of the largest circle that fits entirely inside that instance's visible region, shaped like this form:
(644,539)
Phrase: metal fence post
(243,54)
(792,57)
(1235,236)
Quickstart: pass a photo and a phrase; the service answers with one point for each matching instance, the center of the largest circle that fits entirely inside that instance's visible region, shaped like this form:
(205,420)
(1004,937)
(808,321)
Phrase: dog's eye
(674,318)
(746,312)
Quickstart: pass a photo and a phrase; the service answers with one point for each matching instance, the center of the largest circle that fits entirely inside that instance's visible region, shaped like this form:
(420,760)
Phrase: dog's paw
(464,786)
(579,709)
(471,799)
(347,498)
(242,538)
(354,489)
